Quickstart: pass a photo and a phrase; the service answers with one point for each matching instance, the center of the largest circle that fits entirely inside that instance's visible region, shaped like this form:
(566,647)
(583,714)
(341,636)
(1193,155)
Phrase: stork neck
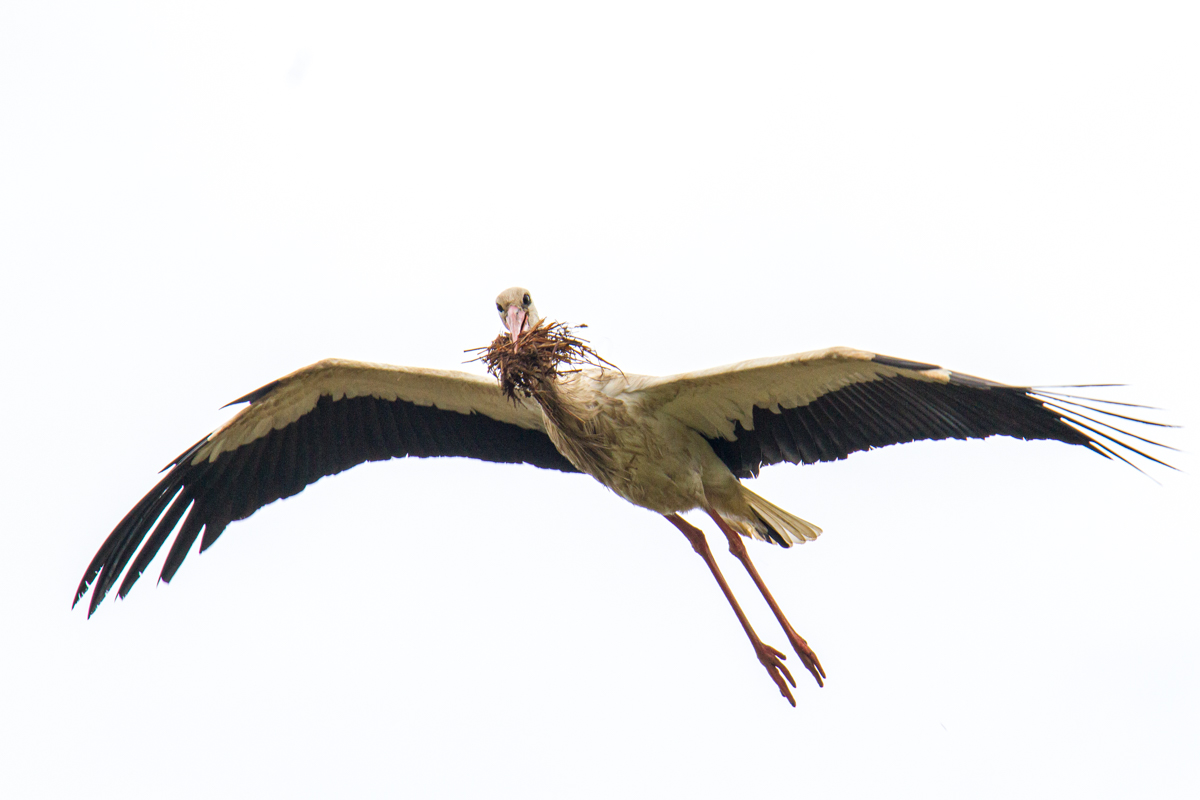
(572,416)
(564,410)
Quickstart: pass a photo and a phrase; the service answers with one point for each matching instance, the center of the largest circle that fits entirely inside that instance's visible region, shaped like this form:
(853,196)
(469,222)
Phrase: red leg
(738,548)
(770,658)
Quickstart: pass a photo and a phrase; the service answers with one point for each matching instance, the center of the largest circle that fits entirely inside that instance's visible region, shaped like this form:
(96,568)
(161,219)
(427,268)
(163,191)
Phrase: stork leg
(738,548)
(770,658)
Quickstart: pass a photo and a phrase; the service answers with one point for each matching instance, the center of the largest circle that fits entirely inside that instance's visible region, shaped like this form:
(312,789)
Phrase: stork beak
(515,321)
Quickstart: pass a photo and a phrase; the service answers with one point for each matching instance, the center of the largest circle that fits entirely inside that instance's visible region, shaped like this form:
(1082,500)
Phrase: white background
(194,202)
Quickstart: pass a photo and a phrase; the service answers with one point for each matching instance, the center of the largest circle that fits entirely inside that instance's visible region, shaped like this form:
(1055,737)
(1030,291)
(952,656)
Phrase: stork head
(517,311)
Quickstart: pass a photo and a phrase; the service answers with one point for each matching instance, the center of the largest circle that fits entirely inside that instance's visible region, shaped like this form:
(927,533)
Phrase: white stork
(668,444)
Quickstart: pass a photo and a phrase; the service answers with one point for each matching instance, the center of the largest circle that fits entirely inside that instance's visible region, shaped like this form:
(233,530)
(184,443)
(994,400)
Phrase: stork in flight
(668,444)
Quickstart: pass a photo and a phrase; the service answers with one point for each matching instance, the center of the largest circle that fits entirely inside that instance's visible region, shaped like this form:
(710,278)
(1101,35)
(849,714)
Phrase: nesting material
(537,358)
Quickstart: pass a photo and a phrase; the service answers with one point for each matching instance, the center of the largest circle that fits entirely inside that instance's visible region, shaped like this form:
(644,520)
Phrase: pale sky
(195,202)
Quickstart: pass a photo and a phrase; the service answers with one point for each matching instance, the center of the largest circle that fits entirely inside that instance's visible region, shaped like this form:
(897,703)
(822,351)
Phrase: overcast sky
(195,202)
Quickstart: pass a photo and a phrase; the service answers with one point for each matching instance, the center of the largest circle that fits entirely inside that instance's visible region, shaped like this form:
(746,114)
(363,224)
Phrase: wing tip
(1104,441)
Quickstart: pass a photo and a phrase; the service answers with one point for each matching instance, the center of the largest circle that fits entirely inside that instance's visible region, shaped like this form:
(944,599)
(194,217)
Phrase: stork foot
(807,656)
(773,660)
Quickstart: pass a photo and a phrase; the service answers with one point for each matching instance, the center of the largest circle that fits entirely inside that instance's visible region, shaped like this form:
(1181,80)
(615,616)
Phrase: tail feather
(777,526)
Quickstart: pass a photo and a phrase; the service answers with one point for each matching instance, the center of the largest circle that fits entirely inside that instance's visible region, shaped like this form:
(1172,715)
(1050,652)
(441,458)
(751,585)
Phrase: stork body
(668,444)
(601,424)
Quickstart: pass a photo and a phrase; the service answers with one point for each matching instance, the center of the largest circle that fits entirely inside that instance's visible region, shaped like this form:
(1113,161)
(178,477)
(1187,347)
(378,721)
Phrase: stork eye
(526,300)
(500,308)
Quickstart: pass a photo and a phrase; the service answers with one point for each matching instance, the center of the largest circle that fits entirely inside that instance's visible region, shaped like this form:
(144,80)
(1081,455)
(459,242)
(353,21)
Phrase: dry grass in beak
(537,358)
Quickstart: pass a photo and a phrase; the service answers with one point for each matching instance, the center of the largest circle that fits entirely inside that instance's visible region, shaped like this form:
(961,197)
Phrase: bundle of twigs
(538,357)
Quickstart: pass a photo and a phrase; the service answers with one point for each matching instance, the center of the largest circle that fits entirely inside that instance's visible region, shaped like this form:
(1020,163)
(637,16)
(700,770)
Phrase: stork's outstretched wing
(317,421)
(826,404)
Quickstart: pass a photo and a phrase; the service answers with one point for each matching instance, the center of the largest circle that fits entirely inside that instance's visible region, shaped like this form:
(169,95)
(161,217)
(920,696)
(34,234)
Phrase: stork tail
(782,528)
